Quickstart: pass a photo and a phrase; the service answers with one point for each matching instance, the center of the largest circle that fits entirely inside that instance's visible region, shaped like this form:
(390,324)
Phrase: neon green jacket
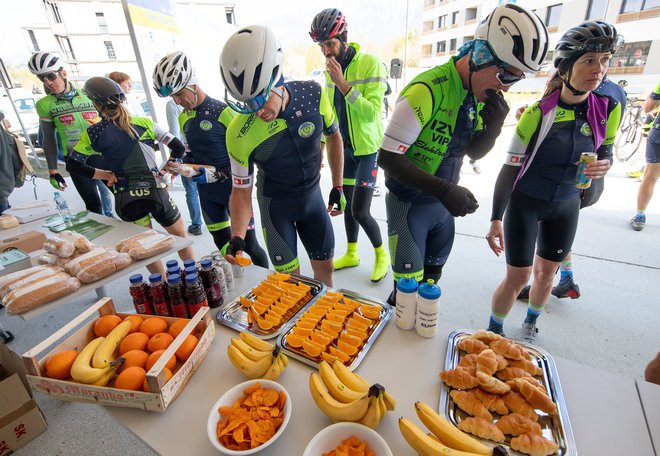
(364,102)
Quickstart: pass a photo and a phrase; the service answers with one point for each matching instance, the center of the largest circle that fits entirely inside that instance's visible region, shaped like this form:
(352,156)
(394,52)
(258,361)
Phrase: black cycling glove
(57,181)
(236,244)
(459,201)
(494,111)
(337,199)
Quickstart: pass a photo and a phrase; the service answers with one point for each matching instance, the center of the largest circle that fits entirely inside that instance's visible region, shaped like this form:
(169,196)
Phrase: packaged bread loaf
(104,267)
(74,266)
(60,247)
(18,275)
(41,292)
(129,243)
(80,242)
(151,246)
(8,221)
(15,285)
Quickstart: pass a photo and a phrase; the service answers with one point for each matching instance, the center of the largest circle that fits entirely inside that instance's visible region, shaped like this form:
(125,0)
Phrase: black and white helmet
(104,91)
(517,36)
(172,74)
(44,63)
(597,36)
(251,62)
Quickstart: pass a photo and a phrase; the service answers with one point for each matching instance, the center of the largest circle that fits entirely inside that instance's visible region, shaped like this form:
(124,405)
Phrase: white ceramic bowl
(228,399)
(329,438)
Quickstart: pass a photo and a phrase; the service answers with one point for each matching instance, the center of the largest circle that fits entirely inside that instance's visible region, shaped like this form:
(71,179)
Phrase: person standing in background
(355,86)
(126,84)
(172,110)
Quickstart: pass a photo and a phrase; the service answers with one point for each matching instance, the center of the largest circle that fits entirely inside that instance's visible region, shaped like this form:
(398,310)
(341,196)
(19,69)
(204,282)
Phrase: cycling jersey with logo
(286,150)
(70,117)
(204,132)
(654,134)
(434,121)
(133,161)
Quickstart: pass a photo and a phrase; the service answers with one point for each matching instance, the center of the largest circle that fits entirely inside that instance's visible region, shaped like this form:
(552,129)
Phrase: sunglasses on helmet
(506,77)
(48,76)
(252,105)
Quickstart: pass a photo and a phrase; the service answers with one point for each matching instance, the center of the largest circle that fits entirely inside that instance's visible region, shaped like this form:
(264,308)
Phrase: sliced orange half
(245,302)
(369,311)
(281,276)
(294,340)
(304,332)
(289,300)
(278,310)
(343,307)
(264,324)
(265,301)
(351,340)
(318,311)
(331,325)
(330,358)
(335,318)
(312,348)
(321,339)
(343,357)
(272,317)
(349,349)
(306,324)
(260,307)
(341,312)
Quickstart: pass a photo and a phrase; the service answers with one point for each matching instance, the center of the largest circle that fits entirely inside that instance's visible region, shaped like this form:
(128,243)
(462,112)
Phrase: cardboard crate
(27,242)
(20,417)
(162,394)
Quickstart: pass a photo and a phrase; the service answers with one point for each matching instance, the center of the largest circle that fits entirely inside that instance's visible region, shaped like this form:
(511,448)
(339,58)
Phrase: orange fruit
(369,311)
(306,324)
(331,326)
(243,261)
(347,348)
(278,310)
(272,317)
(343,307)
(352,303)
(103,325)
(131,379)
(321,339)
(302,332)
(343,357)
(186,348)
(304,287)
(260,307)
(312,348)
(264,324)
(357,333)
(59,365)
(334,295)
(168,376)
(365,321)
(315,310)
(330,358)
(245,302)
(171,363)
(350,340)
(135,341)
(136,321)
(159,342)
(280,276)
(289,300)
(353,323)
(134,358)
(153,326)
(294,340)
(343,313)
(177,327)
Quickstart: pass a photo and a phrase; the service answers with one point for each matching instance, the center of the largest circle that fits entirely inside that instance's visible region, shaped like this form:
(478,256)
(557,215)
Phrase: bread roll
(8,221)
(41,275)
(42,292)
(148,247)
(60,247)
(128,243)
(80,242)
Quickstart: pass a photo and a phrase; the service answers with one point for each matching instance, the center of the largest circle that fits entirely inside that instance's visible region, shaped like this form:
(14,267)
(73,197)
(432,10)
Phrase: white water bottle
(428,307)
(406,302)
(62,207)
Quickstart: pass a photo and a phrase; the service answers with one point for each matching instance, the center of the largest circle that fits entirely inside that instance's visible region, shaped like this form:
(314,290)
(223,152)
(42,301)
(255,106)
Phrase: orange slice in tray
(341,312)
(350,340)
(327,300)
(304,287)
(343,308)
(289,301)
(309,319)
(329,358)
(294,340)
(278,310)
(306,324)
(318,311)
(321,339)
(362,335)
(331,326)
(361,319)
(369,311)
(334,294)
(245,302)
(260,308)
(272,317)
(272,288)
(265,301)
(326,333)
(264,324)
(353,323)
(304,332)
(312,348)
(349,349)
(352,303)
(339,319)
(280,276)
(343,357)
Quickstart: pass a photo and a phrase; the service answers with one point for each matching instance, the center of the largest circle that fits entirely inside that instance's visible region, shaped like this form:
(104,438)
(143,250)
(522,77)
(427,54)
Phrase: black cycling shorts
(529,221)
(137,204)
(360,170)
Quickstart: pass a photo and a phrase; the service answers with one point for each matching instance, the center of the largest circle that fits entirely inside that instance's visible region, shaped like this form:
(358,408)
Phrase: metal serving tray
(302,356)
(557,428)
(233,314)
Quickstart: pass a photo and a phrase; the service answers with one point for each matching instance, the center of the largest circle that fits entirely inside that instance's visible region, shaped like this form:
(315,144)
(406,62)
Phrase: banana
(285,359)
(390,402)
(251,369)
(350,379)
(275,369)
(249,351)
(103,355)
(255,342)
(335,410)
(82,371)
(337,389)
(373,416)
(105,379)
(446,432)
(423,444)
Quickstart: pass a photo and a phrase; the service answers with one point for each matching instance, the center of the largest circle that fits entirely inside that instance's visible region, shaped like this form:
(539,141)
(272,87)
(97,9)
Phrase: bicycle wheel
(627,142)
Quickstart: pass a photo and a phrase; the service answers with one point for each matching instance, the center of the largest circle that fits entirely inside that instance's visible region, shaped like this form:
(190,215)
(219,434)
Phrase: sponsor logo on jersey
(420,114)
(90,115)
(516,159)
(442,132)
(140,192)
(585,129)
(205,125)
(66,119)
(272,126)
(278,258)
(402,148)
(246,126)
(306,129)
(439,80)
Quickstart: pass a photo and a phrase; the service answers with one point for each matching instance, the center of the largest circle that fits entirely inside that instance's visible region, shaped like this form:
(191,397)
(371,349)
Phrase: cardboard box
(20,417)
(27,242)
(162,392)
(33,211)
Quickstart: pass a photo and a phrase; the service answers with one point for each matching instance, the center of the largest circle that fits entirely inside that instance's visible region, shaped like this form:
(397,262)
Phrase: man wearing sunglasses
(65,112)
(453,110)
(203,126)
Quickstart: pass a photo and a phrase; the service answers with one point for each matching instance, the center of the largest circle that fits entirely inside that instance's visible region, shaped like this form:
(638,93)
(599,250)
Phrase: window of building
(630,6)
(631,55)
(103,25)
(426,50)
(429,3)
(427,26)
(229,13)
(54,11)
(454,17)
(66,48)
(452,44)
(442,21)
(470,14)
(596,10)
(33,40)
(440,46)
(552,19)
(111,50)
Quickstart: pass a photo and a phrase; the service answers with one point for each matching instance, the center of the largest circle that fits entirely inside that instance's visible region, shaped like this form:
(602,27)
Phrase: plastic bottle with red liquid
(158,290)
(211,284)
(140,293)
(177,303)
(195,295)
(171,264)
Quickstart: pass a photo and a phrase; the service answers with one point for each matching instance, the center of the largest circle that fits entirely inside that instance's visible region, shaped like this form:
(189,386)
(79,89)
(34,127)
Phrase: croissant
(516,424)
(481,428)
(487,362)
(517,404)
(469,403)
(493,402)
(472,345)
(528,365)
(502,362)
(491,384)
(486,336)
(535,396)
(533,444)
(459,378)
(514,383)
(469,360)
(507,349)
(509,373)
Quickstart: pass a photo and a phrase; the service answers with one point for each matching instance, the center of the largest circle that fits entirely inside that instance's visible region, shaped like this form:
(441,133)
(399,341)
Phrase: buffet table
(604,408)
(121,230)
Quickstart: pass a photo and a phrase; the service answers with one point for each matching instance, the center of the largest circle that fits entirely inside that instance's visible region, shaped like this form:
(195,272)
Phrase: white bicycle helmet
(44,63)
(251,62)
(517,36)
(172,74)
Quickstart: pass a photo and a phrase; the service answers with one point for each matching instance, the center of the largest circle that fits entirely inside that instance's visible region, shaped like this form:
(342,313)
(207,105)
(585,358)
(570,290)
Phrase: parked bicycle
(633,128)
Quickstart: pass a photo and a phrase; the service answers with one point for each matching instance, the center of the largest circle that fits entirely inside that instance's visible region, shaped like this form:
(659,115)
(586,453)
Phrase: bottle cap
(174,278)
(155,278)
(188,263)
(406,284)
(191,278)
(191,270)
(56,193)
(206,263)
(429,290)
(172,264)
(172,270)
(135,278)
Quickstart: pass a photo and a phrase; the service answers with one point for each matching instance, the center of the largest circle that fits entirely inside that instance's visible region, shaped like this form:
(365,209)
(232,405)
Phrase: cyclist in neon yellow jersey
(356,83)
(65,112)
(453,110)
(279,131)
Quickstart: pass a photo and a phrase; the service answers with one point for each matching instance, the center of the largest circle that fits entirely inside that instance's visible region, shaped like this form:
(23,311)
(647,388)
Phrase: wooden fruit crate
(161,393)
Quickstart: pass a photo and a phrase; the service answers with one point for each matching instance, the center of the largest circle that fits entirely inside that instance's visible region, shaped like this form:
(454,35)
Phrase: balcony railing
(638,15)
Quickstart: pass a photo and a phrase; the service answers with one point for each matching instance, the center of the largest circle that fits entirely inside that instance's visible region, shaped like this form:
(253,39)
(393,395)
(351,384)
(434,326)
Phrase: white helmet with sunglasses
(172,74)
(42,63)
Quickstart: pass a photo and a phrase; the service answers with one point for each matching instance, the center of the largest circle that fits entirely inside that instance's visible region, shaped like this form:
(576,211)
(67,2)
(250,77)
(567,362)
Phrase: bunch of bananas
(95,364)
(345,396)
(444,439)
(256,358)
